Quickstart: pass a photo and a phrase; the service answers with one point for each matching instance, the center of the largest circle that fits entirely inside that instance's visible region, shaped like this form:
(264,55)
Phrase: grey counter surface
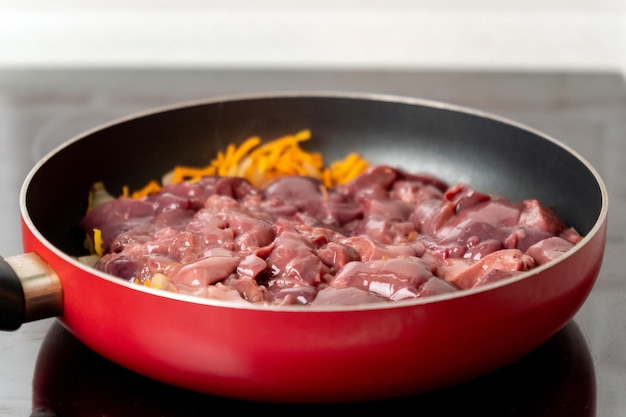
(581,371)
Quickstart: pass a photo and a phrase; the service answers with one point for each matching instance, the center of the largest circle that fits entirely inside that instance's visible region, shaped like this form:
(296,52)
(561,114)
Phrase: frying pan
(296,354)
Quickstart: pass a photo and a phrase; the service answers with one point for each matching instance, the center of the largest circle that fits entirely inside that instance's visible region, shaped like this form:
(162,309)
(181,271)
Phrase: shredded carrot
(97,242)
(260,163)
(246,147)
(182,173)
(327,177)
(150,188)
(354,171)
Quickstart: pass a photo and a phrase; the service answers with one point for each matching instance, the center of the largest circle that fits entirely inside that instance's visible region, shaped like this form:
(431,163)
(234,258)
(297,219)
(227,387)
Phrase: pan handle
(29,290)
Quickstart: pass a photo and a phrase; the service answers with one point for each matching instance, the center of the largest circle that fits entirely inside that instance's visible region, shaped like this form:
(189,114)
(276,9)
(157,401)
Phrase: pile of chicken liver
(388,235)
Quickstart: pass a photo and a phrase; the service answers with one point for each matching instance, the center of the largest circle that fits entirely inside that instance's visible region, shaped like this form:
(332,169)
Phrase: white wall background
(467,34)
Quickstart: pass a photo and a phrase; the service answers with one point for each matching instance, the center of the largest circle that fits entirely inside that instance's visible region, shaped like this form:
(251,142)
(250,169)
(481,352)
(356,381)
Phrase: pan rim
(368,96)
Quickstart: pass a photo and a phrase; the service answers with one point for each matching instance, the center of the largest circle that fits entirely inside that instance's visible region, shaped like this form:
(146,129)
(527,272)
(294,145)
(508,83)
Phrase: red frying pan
(312,354)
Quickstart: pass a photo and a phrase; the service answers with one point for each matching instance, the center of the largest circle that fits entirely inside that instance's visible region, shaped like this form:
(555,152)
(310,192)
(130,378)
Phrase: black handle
(29,290)
(12,300)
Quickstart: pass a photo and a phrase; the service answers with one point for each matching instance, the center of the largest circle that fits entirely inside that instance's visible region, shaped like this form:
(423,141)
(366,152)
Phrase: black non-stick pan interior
(458,146)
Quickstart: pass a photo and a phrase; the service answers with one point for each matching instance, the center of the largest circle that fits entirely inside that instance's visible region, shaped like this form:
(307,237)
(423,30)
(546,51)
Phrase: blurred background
(441,34)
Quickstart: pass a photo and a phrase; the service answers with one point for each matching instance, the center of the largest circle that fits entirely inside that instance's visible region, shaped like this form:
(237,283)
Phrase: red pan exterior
(287,356)
(302,355)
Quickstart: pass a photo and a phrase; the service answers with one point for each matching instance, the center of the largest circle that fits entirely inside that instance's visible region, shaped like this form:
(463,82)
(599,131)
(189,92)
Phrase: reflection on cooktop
(555,380)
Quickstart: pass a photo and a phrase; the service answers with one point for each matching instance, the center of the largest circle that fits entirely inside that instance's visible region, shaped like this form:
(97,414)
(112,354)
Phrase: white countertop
(403,34)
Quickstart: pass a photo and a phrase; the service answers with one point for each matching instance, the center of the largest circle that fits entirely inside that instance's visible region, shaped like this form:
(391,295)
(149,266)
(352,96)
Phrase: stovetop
(45,371)
(555,380)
